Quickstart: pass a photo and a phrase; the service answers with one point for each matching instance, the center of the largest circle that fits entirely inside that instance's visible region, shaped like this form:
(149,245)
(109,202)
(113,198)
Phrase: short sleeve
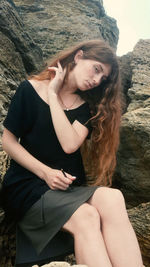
(84,118)
(19,116)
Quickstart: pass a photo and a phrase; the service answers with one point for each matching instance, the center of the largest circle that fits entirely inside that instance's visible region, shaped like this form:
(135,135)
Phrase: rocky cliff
(19,54)
(32,30)
(56,24)
(133,169)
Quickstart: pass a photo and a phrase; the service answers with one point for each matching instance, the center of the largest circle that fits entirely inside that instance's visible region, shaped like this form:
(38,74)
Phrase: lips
(89,85)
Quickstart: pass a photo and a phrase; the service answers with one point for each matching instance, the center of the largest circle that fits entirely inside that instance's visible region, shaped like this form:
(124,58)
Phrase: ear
(78,56)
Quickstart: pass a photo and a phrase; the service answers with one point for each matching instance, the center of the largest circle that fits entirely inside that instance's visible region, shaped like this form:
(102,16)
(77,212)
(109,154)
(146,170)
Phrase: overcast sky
(133,21)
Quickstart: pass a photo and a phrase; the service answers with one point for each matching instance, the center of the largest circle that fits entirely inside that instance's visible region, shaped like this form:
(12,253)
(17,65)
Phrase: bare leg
(118,234)
(90,249)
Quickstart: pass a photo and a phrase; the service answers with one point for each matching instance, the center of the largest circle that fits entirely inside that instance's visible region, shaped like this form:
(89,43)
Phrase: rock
(140,219)
(11,71)
(139,93)
(133,167)
(126,75)
(18,53)
(61,23)
(80,265)
(15,30)
(7,243)
(4,163)
(57,264)
(60,264)
(56,25)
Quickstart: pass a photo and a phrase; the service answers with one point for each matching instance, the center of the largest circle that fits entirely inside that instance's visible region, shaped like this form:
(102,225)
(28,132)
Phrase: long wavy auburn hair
(99,153)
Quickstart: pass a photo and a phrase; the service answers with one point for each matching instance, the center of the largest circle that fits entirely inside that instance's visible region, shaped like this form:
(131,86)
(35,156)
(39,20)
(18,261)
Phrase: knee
(110,201)
(85,218)
(89,214)
(110,197)
(115,198)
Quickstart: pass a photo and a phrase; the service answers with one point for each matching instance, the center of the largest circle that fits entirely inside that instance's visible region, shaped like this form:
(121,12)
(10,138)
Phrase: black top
(30,120)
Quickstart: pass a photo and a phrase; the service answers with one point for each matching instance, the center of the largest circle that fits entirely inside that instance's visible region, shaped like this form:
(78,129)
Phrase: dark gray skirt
(39,234)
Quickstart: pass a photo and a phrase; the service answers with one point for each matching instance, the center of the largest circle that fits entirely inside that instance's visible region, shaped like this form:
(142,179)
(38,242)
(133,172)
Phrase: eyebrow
(106,76)
(101,67)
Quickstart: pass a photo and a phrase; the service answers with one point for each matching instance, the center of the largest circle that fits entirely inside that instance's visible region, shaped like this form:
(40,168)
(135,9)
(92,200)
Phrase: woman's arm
(54,178)
(70,136)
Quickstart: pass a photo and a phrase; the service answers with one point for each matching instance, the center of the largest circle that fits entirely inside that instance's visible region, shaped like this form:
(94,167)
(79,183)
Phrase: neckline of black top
(35,92)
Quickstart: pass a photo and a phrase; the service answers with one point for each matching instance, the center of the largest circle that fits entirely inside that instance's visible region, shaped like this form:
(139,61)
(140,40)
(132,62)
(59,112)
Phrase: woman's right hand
(55,179)
(56,83)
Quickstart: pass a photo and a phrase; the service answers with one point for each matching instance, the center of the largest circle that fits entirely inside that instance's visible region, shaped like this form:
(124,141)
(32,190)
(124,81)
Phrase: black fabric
(30,120)
(27,253)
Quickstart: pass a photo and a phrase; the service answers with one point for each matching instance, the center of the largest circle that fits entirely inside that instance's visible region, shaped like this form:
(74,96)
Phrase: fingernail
(74,177)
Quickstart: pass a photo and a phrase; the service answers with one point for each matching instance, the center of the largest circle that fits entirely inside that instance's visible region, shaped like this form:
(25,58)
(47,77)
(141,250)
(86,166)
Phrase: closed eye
(104,78)
(97,69)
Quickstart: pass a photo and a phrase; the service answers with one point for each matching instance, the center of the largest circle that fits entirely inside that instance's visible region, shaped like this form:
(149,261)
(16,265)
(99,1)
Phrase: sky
(133,21)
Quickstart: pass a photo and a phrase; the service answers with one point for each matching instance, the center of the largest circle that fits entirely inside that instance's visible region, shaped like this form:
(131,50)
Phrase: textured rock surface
(140,219)
(57,24)
(11,71)
(60,264)
(133,170)
(12,26)
(18,54)
(126,75)
(54,25)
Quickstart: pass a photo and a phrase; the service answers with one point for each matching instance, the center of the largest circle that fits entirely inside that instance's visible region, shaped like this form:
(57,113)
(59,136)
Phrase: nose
(97,79)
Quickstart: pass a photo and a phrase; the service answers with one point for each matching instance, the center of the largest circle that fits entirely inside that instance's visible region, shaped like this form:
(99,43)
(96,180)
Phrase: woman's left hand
(56,83)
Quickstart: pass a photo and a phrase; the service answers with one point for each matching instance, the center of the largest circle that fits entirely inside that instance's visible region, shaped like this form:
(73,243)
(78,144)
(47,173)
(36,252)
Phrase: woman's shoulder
(31,87)
(24,94)
(31,84)
(24,88)
(39,88)
(35,84)
(38,84)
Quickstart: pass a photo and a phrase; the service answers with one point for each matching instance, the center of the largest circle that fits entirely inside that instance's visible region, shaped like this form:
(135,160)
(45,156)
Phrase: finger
(65,69)
(70,176)
(59,180)
(61,70)
(65,180)
(59,66)
(65,177)
(61,188)
(52,69)
(56,70)
(61,185)
(58,188)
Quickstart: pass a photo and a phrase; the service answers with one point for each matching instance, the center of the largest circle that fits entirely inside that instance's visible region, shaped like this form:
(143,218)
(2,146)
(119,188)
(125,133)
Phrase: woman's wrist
(42,173)
(52,95)
(53,98)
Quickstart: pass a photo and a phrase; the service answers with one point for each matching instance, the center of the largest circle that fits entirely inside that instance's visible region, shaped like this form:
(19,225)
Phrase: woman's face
(88,73)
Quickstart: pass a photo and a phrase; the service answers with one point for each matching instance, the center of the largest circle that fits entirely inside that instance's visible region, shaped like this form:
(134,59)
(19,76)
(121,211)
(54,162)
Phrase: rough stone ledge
(60,264)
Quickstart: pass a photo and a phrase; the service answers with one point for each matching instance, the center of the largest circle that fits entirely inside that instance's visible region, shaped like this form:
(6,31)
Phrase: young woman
(77,97)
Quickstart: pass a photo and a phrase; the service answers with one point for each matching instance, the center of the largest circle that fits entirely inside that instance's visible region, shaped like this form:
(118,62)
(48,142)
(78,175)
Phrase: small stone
(57,264)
